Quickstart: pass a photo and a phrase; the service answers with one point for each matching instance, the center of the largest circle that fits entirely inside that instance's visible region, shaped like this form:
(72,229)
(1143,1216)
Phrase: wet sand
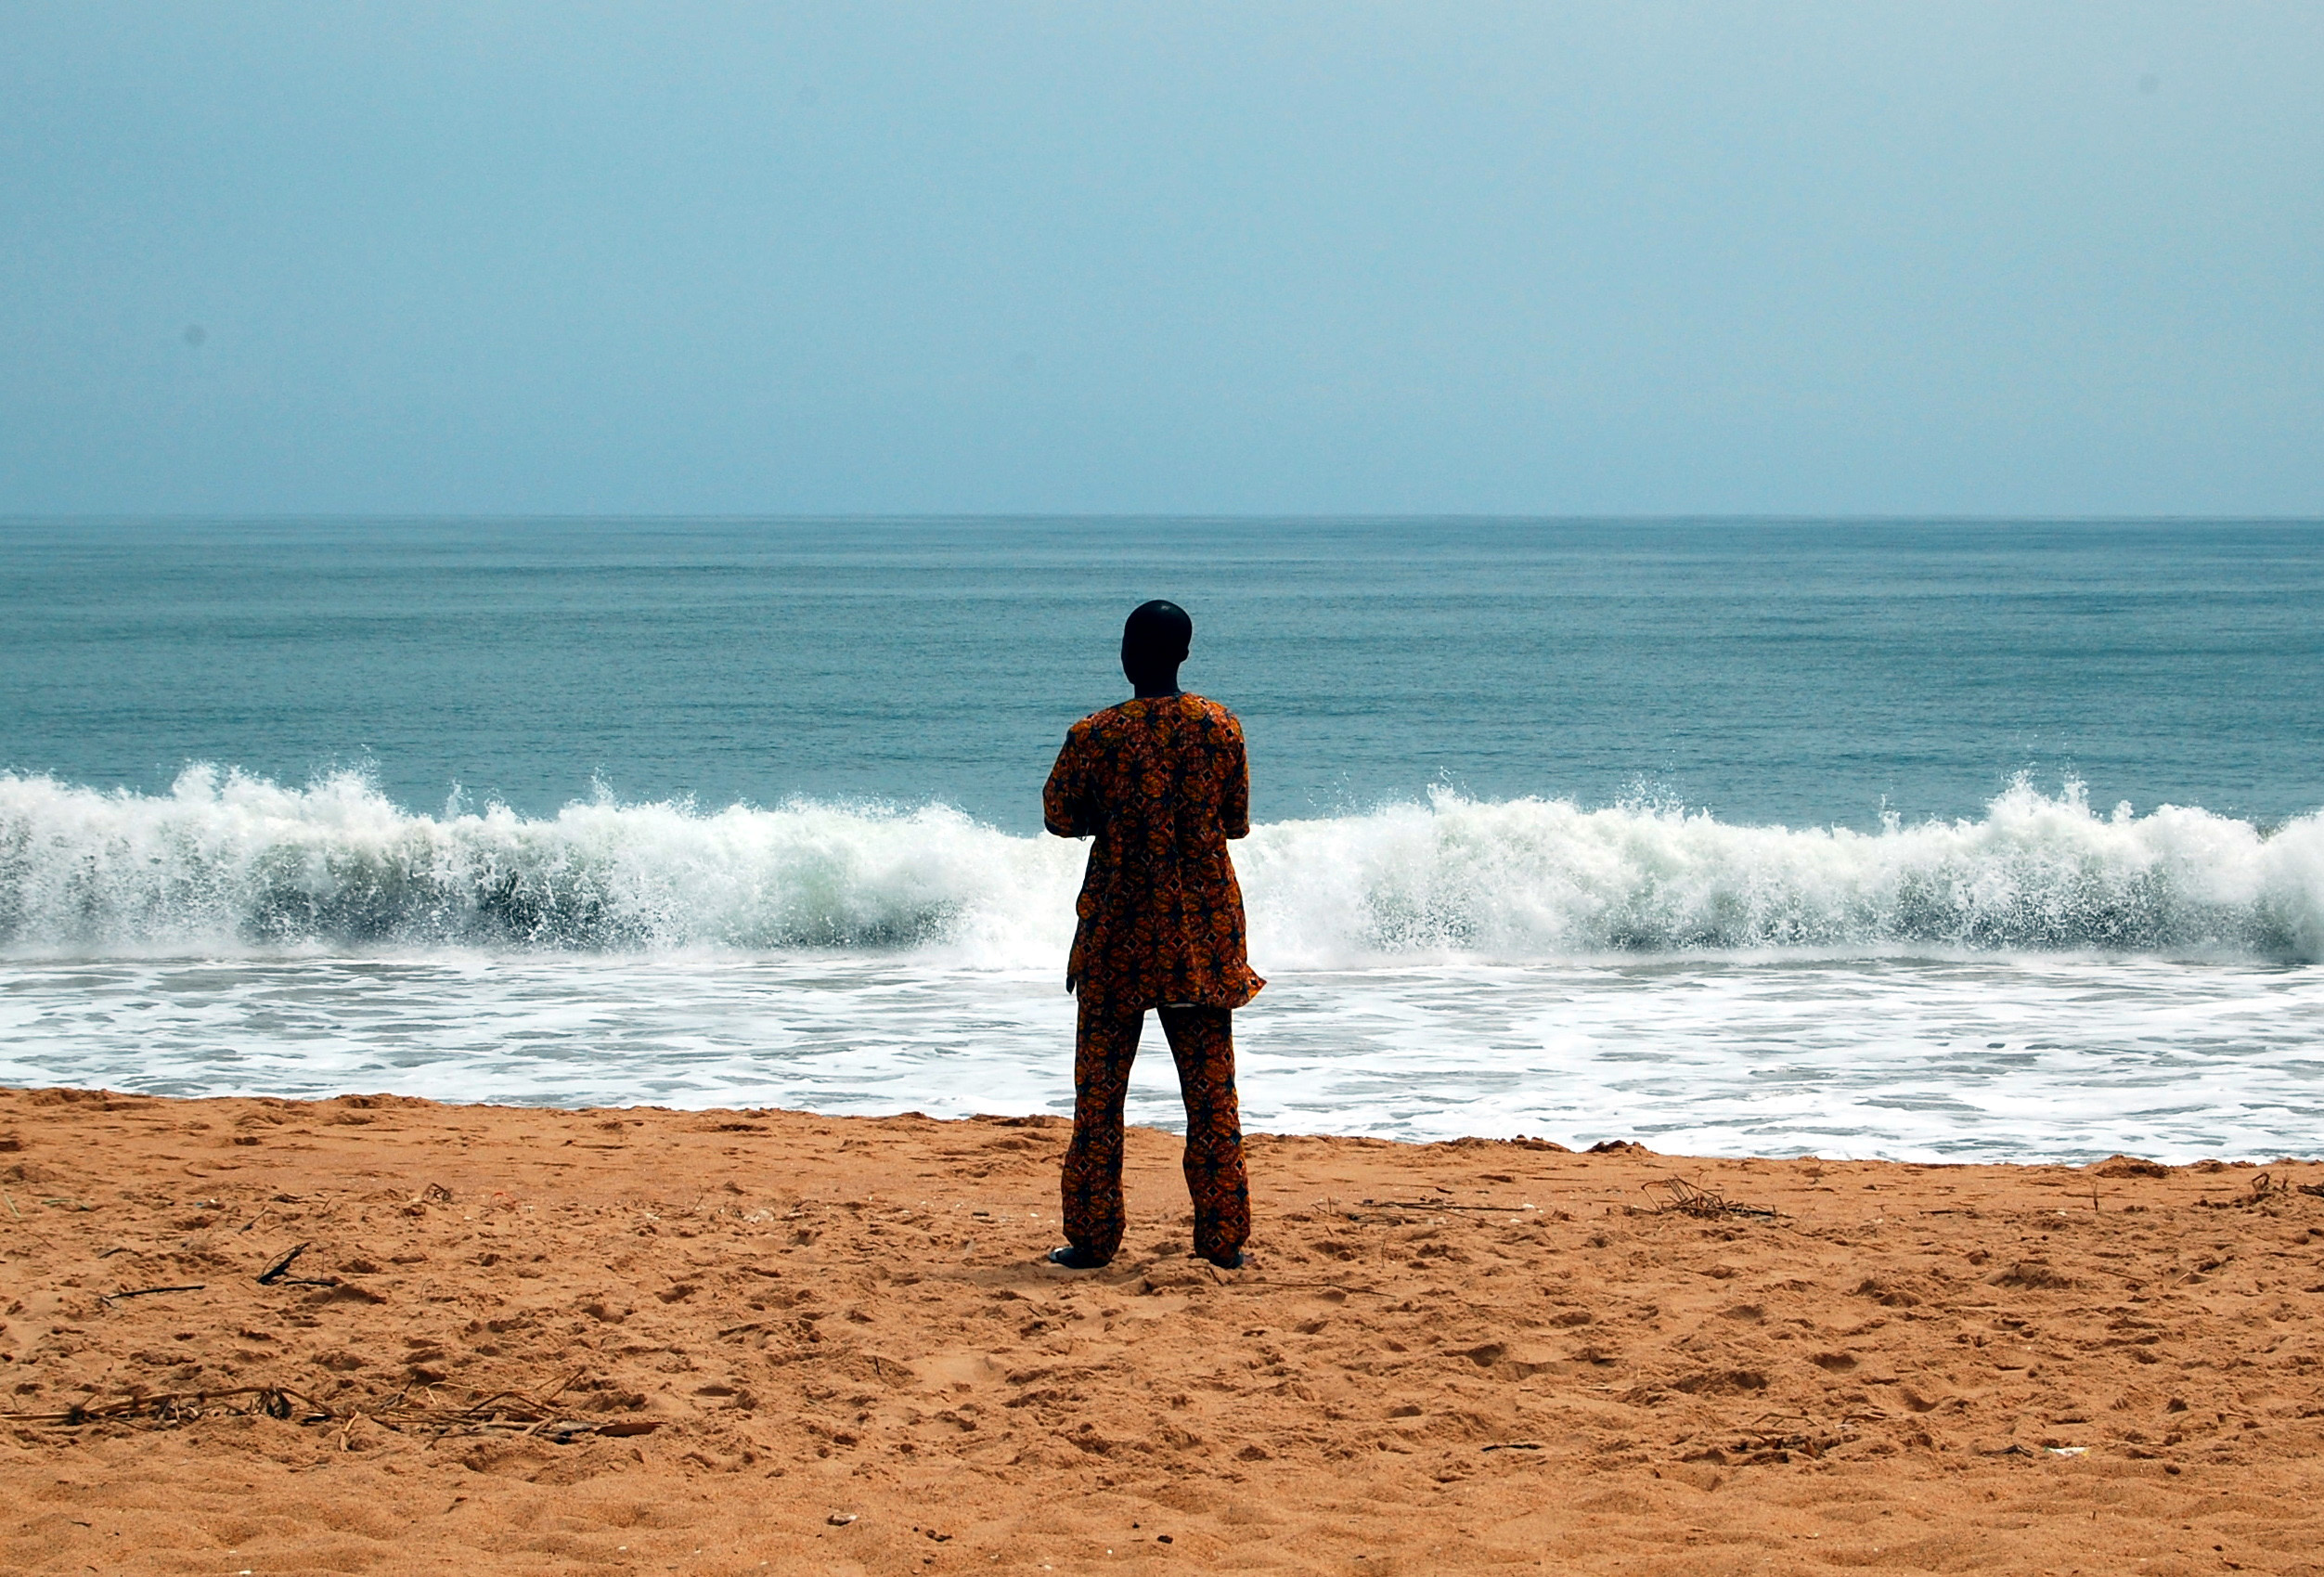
(763,1341)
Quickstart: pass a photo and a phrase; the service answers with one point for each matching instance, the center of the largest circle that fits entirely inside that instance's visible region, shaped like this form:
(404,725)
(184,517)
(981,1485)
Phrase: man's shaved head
(1161,628)
(1154,640)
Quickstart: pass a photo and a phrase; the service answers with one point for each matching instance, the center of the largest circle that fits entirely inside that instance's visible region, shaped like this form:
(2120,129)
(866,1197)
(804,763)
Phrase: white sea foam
(1997,987)
(1993,1059)
(230,863)
(227,860)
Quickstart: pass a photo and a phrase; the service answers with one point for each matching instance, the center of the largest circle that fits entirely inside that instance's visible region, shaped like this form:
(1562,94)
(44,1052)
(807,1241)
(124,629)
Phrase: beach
(1685,645)
(525,1340)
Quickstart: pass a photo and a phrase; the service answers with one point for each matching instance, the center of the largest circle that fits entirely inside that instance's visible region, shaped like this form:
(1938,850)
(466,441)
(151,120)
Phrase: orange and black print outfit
(1161,783)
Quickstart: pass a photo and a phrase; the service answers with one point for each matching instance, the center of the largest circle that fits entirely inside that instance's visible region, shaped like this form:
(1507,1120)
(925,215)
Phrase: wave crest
(229,862)
(1535,878)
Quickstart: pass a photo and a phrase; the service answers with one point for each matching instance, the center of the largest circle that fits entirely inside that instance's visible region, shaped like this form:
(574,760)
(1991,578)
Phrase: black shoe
(1230,1260)
(1076,1258)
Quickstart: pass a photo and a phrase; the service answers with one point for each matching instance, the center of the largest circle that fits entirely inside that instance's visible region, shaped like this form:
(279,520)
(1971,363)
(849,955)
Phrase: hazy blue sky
(1539,258)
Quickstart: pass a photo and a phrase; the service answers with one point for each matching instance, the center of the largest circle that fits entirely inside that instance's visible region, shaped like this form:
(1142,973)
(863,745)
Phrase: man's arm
(1234,803)
(1064,802)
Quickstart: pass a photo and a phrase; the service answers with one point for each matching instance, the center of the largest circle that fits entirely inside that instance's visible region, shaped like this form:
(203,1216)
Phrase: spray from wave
(226,862)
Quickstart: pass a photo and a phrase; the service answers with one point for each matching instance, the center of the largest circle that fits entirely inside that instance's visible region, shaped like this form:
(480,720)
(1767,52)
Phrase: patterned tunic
(1162,783)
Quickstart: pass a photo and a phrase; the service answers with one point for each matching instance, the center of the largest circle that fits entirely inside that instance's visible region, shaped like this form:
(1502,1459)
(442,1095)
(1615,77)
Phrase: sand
(1444,1357)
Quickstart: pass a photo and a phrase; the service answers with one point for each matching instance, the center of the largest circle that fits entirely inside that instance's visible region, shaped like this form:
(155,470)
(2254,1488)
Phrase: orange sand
(857,1363)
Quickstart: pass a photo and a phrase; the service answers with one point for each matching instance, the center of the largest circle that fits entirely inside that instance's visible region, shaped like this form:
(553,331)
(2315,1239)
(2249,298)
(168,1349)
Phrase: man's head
(1154,638)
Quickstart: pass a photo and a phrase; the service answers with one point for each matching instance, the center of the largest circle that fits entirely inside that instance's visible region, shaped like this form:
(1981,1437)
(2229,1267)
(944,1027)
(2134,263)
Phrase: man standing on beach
(1161,783)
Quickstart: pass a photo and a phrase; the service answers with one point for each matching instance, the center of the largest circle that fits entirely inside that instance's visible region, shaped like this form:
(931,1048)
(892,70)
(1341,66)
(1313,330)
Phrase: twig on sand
(179,1407)
(1775,1438)
(281,1267)
(2265,1190)
(12,1209)
(145,1292)
(1691,1199)
(515,1412)
(1442,1205)
(537,1401)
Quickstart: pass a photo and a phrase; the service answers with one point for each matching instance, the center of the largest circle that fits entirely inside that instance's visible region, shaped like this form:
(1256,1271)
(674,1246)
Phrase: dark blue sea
(1942,839)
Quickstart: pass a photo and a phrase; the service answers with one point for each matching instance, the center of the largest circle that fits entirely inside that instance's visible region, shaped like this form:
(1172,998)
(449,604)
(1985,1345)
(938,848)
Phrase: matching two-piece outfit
(1161,783)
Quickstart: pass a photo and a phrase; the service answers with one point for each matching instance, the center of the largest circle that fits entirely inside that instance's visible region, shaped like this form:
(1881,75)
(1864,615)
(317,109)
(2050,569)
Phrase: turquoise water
(1811,674)
(1934,840)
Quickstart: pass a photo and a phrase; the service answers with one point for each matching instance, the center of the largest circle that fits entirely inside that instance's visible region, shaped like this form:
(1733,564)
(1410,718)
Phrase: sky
(1634,258)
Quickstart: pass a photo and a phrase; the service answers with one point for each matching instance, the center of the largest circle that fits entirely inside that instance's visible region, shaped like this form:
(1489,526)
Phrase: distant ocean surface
(1924,840)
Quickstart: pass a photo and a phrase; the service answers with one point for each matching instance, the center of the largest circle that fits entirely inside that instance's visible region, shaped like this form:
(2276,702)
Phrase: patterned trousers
(1202,1042)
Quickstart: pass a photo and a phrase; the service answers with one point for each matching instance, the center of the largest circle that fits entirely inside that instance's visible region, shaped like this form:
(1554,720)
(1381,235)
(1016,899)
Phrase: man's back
(1161,783)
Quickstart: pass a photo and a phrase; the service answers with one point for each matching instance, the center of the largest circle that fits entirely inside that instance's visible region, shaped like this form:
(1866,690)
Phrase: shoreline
(785,1341)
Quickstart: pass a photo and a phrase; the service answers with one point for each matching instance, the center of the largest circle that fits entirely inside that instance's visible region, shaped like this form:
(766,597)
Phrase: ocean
(1920,840)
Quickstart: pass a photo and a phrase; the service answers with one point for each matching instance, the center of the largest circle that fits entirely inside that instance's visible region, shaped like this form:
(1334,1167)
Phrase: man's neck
(1159,693)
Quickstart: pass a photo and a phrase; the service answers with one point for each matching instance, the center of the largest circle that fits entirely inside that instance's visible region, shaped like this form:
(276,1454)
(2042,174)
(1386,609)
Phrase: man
(1161,783)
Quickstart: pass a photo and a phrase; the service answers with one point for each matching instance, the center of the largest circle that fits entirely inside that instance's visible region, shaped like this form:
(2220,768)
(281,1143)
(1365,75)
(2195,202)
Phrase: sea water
(1940,840)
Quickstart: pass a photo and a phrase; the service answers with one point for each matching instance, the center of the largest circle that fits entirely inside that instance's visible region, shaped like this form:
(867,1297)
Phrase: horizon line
(1126,517)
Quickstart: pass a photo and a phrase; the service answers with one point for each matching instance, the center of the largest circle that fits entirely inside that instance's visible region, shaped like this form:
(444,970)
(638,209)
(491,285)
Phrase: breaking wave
(226,862)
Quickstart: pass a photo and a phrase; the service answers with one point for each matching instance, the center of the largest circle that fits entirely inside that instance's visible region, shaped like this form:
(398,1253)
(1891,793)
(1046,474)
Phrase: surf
(229,862)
